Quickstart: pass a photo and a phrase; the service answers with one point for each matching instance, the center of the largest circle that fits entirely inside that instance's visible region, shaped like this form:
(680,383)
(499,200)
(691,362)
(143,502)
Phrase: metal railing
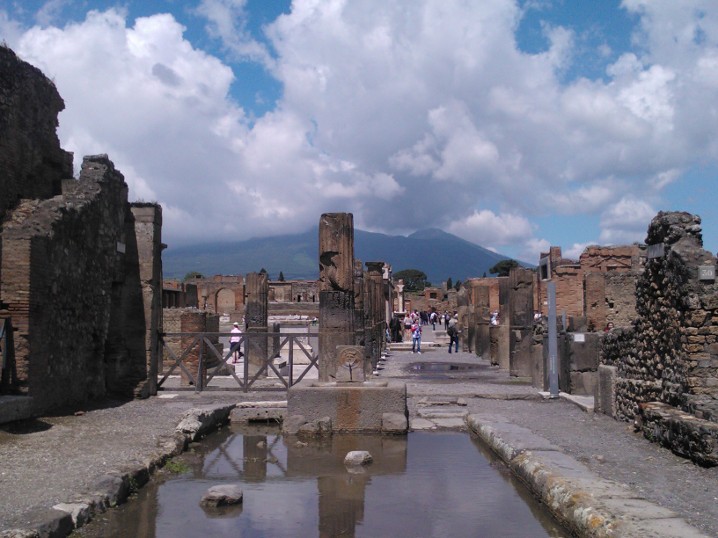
(201,357)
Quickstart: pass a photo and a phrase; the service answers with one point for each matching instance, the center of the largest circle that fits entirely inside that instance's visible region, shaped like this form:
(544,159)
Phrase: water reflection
(426,484)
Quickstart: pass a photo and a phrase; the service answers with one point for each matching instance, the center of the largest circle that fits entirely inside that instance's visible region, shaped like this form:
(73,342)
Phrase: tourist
(416,337)
(609,327)
(447,317)
(407,327)
(235,342)
(494,318)
(453,332)
(433,317)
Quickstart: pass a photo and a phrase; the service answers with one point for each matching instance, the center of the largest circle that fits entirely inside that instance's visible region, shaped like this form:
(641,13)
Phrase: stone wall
(32,163)
(64,260)
(671,356)
(80,270)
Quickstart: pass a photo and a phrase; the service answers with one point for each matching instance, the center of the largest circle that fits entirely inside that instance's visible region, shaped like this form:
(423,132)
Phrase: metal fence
(201,358)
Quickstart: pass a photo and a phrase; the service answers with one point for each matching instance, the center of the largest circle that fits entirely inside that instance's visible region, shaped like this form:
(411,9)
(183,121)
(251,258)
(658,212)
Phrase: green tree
(281,276)
(414,280)
(191,275)
(262,271)
(503,267)
(457,286)
(449,283)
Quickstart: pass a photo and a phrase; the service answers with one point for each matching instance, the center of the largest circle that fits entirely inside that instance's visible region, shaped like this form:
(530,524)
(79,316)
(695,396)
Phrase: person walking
(235,342)
(416,337)
(453,332)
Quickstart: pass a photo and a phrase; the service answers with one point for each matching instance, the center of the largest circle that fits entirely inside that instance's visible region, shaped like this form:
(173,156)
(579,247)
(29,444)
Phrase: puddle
(424,484)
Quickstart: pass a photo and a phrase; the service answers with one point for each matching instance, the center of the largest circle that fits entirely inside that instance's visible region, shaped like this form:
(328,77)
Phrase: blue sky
(515,124)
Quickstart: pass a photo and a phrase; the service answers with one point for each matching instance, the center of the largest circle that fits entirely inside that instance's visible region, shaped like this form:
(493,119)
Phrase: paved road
(55,459)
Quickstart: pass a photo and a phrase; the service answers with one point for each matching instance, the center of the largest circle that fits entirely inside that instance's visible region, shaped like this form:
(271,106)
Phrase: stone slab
(352,407)
(14,408)
(245,415)
(418,424)
(432,413)
(450,423)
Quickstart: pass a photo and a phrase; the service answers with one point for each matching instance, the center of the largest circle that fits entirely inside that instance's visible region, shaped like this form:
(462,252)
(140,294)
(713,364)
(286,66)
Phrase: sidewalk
(60,459)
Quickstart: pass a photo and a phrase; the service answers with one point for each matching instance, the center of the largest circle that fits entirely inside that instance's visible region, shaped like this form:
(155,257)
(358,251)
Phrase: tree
(503,267)
(192,275)
(262,271)
(449,283)
(457,286)
(414,280)
(281,276)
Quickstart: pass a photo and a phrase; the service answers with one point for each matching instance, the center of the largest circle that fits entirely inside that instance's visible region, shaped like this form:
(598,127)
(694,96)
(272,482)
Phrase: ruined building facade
(80,267)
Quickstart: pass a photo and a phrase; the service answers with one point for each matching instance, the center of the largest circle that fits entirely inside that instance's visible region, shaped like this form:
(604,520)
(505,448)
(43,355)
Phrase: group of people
(411,327)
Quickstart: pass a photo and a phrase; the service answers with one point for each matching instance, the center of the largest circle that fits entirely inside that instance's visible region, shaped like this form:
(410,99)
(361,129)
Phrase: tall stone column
(257,320)
(375,278)
(336,289)
(521,308)
(359,310)
(400,295)
(483,319)
(148,233)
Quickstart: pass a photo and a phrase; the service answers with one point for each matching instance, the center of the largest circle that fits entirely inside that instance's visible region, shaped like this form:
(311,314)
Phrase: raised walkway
(599,474)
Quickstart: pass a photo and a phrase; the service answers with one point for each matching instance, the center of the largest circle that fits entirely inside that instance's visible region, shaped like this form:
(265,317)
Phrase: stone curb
(113,488)
(582,501)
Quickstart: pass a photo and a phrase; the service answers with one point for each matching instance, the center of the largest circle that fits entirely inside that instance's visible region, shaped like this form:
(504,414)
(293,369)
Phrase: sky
(514,124)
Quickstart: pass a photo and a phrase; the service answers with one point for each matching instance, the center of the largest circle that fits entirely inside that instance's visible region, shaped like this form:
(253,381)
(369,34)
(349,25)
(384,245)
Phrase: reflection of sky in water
(431,484)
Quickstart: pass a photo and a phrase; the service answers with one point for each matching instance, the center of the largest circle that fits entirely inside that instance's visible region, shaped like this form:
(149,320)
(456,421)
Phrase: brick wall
(61,270)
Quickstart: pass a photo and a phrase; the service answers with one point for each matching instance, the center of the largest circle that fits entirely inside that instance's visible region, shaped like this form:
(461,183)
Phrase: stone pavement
(604,479)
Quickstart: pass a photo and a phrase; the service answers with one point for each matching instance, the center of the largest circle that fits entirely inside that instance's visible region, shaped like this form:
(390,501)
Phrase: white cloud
(410,114)
(626,221)
(488,228)
(227,21)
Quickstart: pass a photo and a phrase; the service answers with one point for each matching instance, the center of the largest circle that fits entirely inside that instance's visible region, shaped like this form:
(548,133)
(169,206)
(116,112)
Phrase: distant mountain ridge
(439,254)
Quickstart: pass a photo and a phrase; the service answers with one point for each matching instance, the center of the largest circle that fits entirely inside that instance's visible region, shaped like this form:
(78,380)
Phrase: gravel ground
(50,460)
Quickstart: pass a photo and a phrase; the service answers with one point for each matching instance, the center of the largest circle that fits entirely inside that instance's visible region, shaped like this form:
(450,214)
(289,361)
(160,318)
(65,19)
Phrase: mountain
(438,254)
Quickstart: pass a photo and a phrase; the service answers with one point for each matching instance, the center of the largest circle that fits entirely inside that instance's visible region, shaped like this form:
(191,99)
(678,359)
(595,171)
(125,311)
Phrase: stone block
(352,407)
(583,383)
(606,390)
(14,408)
(394,423)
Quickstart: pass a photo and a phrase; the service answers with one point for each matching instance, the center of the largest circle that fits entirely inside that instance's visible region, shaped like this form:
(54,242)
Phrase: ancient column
(192,322)
(148,234)
(480,297)
(336,289)
(359,292)
(375,278)
(521,307)
(400,295)
(257,320)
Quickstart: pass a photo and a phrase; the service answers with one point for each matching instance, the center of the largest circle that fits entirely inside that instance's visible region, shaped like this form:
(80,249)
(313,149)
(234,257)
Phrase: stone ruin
(350,340)
(80,267)
(662,372)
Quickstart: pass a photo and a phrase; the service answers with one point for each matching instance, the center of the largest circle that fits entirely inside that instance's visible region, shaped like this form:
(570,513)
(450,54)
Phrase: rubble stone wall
(670,357)
(32,163)
(60,262)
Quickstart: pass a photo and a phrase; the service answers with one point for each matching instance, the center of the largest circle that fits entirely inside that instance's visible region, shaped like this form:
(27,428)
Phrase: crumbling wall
(670,358)
(32,163)
(60,262)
